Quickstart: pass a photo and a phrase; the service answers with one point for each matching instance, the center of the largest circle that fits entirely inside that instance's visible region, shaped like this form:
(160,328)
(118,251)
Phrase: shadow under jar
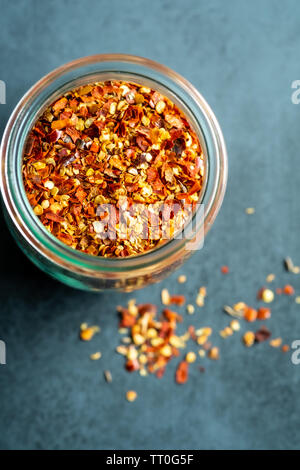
(74,267)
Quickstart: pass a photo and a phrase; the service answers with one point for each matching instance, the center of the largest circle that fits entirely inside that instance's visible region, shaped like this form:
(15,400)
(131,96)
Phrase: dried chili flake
(101,143)
(182,372)
(224,269)
(250,314)
(263,313)
(288,290)
(262,334)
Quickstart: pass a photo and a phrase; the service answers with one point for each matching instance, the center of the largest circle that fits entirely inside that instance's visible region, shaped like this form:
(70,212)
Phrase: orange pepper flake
(263,313)
(177,300)
(288,290)
(285,348)
(250,314)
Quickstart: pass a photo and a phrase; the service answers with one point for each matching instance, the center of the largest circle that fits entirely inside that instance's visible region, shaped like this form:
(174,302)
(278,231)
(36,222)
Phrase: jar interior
(52,93)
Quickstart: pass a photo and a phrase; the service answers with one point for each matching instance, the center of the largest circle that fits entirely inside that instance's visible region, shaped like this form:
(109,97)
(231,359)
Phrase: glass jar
(73,267)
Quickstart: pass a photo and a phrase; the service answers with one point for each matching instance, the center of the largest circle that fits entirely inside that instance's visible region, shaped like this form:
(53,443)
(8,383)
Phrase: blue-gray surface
(243,57)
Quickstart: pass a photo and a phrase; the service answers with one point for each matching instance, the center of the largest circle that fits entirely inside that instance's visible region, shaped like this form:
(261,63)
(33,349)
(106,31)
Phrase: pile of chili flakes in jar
(119,144)
(151,341)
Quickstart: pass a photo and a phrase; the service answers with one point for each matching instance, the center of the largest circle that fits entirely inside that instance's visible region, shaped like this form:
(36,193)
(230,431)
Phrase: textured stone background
(242,56)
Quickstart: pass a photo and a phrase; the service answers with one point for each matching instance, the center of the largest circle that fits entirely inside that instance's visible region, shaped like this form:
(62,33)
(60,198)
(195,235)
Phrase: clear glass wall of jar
(74,267)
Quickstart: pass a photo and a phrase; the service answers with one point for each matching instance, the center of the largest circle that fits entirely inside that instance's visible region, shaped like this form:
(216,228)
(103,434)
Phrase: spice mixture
(105,148)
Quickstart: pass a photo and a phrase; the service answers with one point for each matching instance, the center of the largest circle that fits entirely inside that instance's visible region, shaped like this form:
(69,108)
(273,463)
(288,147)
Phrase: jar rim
(48,245)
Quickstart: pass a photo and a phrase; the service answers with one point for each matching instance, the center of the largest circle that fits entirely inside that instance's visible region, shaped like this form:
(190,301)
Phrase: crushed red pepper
(105,143)
(152,342)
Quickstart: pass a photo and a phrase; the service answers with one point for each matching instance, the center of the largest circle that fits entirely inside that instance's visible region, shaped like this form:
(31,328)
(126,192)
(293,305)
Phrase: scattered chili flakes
(235,325)
(152,342)
(104,143)
(165,297)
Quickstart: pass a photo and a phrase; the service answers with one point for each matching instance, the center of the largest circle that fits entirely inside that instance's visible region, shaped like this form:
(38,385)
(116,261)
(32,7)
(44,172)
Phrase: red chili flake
(279,291)
(80,194)
(224,269)
(263,313)
(285,348)
(250,314)
(101,143)
(95,147)
(260,293)
(191,330)
(177,300)
(262,334)
(288,290)
(54,217)
(182,372)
